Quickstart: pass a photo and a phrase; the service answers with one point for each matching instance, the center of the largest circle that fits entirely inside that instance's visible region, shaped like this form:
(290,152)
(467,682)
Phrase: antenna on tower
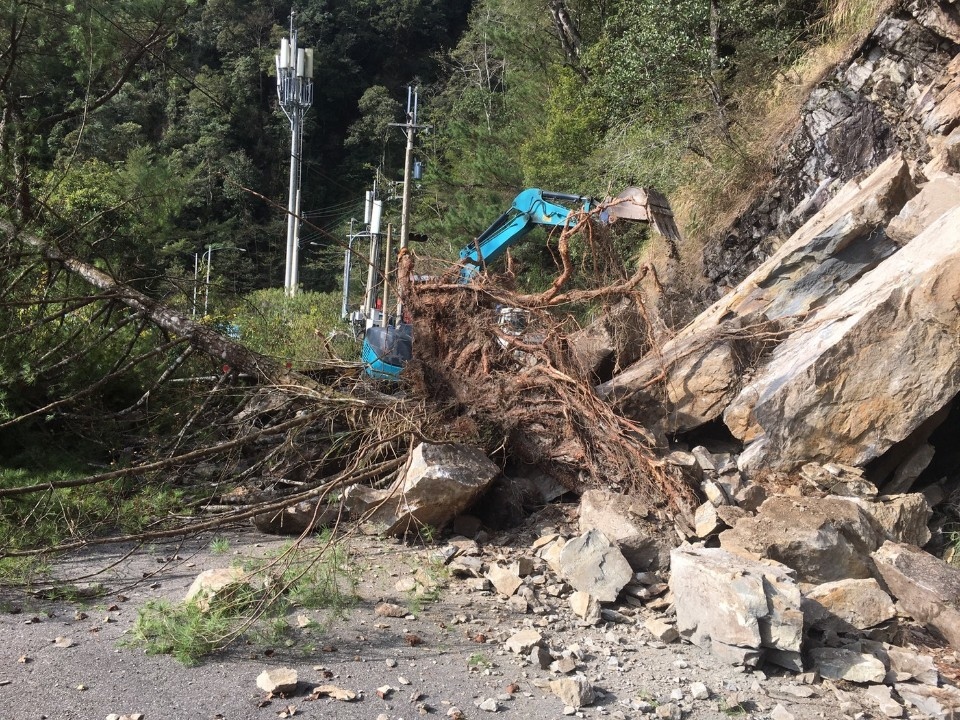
(295,93)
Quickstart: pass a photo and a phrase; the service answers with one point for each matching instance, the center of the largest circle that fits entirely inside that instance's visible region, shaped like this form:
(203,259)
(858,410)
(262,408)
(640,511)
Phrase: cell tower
(295,92)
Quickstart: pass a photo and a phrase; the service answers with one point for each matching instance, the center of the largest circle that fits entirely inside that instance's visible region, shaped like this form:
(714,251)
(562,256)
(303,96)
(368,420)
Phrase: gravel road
(97,675)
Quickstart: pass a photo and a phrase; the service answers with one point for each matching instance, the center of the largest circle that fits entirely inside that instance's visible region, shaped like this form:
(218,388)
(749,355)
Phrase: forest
(143,141)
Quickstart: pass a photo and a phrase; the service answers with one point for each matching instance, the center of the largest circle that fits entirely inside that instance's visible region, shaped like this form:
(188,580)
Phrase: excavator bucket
(642,205)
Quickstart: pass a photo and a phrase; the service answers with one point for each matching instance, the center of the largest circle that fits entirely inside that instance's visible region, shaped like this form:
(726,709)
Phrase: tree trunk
(569,34)
(203,338)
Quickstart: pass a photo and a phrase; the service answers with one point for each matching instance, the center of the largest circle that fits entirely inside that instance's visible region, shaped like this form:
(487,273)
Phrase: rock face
(440,482)
(877,362)
(591,564)
(623,520)
(822,539)
(926,587)
(859,115)
(723,599)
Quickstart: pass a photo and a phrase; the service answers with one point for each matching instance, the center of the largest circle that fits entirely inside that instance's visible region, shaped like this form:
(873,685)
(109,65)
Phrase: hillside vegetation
(142,136)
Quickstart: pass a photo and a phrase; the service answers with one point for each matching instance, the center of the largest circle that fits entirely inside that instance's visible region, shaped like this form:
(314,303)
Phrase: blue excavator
(388,342)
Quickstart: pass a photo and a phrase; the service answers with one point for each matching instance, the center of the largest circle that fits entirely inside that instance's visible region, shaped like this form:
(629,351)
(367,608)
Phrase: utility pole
(295,92)
(410,127)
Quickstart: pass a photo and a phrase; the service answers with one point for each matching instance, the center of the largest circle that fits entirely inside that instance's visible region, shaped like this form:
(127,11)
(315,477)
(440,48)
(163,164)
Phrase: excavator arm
(531,208)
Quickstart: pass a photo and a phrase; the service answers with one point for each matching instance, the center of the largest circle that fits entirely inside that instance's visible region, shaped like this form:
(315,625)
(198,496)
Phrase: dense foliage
(144,137)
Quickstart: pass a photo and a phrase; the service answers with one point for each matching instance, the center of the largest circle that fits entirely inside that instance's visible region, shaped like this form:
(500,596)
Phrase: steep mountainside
(865,110)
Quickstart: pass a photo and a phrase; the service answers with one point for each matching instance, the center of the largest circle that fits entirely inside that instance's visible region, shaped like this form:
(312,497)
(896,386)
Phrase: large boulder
(695,375)
(925,587)
(440,482)
(592,564)
(847,606)
(867,370)
(624,521)
(725,601)
(822,539)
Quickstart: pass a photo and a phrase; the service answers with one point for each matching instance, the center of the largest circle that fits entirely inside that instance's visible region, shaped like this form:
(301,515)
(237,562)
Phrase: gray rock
(906,665)
(847,664)
(725,598)
(822,539)
(591,564)
(847,605)
(524,641)
(575,691)
(278,680)
(706,521)
(585,607)
(216,584)
(903,518)
(661,630)
(793,412)
(489,705)
(505,581)
(926,587)
(940,703)
(540,657)
(440,482)
(304,516)
(625,523)
(880,694)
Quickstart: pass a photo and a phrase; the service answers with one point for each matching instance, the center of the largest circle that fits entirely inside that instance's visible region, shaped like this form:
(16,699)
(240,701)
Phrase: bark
(569,35)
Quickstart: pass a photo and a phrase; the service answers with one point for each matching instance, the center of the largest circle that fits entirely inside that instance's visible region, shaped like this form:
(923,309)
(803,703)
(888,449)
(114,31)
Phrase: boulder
(848,664)
(592,564)
(216,585)
(574,691)
(505,580)
(614,340)
(623,520)
(925,587)
(935,198)
(439,483)
(847,606)
(902,518)
(822,539)
(524,641)
(866,370)
(939,703)
(724,598)
(304,516)
(906,665)
(585,607)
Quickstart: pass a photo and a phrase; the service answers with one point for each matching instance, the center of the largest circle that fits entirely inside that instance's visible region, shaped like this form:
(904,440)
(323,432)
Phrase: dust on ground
(459,663)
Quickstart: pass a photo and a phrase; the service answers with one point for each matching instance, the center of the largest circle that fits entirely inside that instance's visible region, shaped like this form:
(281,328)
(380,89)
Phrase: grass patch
(321,578)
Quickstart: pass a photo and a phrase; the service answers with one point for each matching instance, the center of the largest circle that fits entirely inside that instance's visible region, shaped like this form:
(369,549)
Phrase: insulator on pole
(368,207)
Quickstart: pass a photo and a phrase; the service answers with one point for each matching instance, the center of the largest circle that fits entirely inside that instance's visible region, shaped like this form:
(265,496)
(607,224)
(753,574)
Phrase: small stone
(402,680)
(575,691)
(661,630)
(699,691)
(540,657)
(407,584)
(585,606)
(391,663)
(523,641)
(676,694)
(505,581)
(564,665)
(337,693)
(489,705)
(881,695)
(781,713)
(278,680)
(389,610)
(518,604)
(63,642)
(668,711)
